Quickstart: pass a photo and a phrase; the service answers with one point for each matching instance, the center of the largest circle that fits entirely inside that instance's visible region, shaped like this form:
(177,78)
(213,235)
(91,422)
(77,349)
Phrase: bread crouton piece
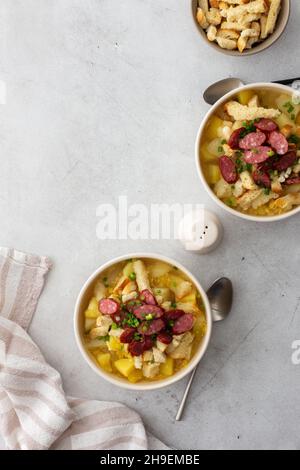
(247,180)
(229,44)
(240,112)
(236,2)
(203,4)
(211,33)
(263,27)
(214,3)
(238,13)
(214,17)
(201,18)
(228,34)
(272,16)
(285,203)
(263,199)
(246,201)
(235,26)
(254,102)
(242,43)
(222,189)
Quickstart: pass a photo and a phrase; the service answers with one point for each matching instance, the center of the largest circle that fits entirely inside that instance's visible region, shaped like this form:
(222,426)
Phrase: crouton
(263,199)
(248,198)
(211,32)
(228,34)
(263,27)
(214,17)
(272,16)
(203,4)
(239,12)
(254,102)
(201,18)
(229,44)
(234,26)
(247,180)
(244,113)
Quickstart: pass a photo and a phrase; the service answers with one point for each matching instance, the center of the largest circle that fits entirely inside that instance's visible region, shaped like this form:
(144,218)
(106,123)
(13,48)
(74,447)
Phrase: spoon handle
(182,404)
(287,81)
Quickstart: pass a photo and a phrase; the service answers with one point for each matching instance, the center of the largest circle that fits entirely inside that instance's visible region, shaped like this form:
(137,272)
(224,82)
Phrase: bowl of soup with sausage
(248,152)
(142,321)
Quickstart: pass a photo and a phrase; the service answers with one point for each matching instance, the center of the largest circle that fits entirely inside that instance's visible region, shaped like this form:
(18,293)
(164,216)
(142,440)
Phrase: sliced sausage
(183,324)
(252,140)
(173,315)
(127,335)
(228,169)
(132,304)
(262,179)
(258,155)
(235,138)
(278,142)
(119,317)
(144,310)
(266,125)
(108,306)
(148,297)
(147,343)
(164,337)
(151,327)
(286,161)
(136,348)
(294,180)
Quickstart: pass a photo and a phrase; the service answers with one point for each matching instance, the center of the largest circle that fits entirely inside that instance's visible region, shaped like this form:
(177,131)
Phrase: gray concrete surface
(104,99)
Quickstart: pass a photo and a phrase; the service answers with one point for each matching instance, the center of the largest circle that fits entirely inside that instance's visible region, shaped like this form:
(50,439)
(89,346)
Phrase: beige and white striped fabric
(34,411)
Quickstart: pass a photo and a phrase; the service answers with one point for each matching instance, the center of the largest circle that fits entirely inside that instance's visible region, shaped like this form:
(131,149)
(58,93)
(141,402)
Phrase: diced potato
(159,269)
(215,146)
(179,286)
(245,96)
(206,155)
(128,269)
(135,376)
(99,291)
(212,128)
(92,311)
(167,368)
(89,323)
(104,361)
(125,366)
(114,344)
(190,298)
(212,173)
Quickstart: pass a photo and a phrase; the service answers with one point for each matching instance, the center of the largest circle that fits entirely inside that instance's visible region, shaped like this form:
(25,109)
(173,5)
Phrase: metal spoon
(218,89)
(220,295)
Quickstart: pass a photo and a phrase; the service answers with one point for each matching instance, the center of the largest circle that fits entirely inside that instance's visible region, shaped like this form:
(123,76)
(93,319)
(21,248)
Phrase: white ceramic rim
(123,383)
(275,218)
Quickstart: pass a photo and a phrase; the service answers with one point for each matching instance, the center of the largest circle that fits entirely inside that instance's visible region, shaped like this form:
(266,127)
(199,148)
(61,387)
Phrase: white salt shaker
(200,231)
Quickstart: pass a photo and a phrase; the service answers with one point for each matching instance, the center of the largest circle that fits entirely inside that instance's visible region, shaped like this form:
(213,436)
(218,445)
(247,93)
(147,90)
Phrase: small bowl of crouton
(241,27)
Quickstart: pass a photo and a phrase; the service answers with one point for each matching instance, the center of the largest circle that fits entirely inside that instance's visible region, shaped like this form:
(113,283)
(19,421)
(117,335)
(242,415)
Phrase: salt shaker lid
(200,231)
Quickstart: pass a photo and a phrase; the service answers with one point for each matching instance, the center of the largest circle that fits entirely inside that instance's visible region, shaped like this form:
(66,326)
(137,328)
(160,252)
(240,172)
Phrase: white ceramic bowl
(81,305)
(227,97)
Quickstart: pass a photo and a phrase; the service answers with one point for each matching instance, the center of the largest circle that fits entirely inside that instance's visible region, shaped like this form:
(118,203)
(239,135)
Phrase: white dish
(227,97)
(81,304)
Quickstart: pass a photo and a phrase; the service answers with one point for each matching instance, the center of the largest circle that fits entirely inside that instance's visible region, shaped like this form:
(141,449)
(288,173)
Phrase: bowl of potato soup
(142,321)
(248,152)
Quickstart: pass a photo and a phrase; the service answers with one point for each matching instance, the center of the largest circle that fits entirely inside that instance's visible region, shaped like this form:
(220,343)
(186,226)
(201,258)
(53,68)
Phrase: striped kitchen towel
(34,411)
